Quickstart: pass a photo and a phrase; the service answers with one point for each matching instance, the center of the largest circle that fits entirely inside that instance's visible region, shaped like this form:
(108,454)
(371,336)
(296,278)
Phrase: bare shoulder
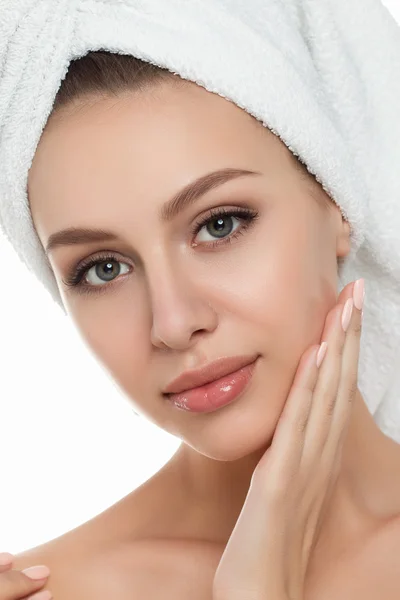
(77,560)
(125,553)
(160,569)
(157,569)
(71,574)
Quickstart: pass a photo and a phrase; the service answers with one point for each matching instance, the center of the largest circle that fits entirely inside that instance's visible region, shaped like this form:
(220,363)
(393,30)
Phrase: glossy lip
(211,372)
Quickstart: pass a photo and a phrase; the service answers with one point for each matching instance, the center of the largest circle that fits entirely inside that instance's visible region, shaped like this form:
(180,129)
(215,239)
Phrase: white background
(70,445)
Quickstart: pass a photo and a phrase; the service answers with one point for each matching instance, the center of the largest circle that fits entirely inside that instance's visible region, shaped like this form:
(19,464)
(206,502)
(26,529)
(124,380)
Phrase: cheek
(285,296)
(119,344)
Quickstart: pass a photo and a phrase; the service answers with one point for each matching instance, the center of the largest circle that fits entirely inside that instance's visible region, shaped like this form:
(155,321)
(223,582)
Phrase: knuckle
(327,401)
(330,405)
(301,422)
(274,495)
(352,390)
(339,350)
(298,423)
(272,489)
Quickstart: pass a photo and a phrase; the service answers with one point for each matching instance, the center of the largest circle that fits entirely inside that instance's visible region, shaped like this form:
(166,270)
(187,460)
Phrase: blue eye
(219,219)
(104,266)
(219,223)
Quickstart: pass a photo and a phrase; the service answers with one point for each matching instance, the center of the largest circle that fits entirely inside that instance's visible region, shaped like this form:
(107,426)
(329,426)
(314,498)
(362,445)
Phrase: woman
(244,266)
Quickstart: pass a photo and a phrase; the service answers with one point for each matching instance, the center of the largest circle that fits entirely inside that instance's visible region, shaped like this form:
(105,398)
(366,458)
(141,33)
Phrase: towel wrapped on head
(323,75)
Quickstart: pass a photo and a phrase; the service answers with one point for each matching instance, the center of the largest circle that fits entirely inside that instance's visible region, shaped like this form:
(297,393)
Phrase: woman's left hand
(268,553)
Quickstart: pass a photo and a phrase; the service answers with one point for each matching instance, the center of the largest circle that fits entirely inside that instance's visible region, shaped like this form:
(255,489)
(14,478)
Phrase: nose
(181,312)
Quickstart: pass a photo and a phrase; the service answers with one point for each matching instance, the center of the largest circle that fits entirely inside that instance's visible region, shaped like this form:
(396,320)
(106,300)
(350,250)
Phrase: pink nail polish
(359,293)
(45,595)
(347,312)
(37,572)
(321,353)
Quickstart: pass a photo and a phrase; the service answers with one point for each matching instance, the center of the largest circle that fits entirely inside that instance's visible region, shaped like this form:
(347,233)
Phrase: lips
(215,370)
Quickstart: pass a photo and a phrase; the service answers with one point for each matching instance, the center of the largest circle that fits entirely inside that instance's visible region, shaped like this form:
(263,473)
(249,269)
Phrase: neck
(366,493)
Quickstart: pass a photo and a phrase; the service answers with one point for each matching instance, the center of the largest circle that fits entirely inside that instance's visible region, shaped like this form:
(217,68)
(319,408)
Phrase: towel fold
(323,75)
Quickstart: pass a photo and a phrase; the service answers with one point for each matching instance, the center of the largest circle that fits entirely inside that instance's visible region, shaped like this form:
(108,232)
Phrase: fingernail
(346,316)
(5,558)
(321,353)
(44,595)
(39,572)
(359,293)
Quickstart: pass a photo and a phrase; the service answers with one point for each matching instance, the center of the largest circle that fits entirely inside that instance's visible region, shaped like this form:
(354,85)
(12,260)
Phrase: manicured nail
(5,558)
(359,293)
(346,315)
(321,353)
(44,595)
(39,572)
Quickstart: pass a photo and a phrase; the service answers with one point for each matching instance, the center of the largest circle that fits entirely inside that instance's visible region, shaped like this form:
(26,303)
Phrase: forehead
(141,125)
(143,145)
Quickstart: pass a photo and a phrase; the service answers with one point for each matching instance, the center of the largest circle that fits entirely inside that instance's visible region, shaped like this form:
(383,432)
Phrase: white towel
(323,75)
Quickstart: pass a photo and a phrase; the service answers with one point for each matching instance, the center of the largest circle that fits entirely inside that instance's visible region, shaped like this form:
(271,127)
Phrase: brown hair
(103,73)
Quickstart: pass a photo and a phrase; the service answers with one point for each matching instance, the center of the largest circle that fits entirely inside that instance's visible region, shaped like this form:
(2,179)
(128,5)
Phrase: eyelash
(75,277)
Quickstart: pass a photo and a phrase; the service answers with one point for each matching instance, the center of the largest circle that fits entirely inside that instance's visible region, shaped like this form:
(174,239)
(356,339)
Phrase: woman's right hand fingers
(6,560)
(23,585)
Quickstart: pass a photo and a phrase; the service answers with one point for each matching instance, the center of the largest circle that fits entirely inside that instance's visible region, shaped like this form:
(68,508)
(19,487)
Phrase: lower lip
(216,394)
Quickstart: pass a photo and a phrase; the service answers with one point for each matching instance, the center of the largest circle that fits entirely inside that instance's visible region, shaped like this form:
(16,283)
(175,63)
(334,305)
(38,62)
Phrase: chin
(234,438)
(243,428)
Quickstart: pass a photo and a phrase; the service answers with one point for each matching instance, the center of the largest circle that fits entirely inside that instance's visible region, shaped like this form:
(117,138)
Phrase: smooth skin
(268,553)
(113,163)
(270,548)
(16,585)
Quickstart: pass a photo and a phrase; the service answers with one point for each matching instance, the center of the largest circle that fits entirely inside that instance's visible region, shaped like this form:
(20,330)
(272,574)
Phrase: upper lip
(211,372)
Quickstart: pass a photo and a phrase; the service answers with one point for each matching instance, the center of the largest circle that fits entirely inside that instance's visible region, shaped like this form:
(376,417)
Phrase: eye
(98,271)
(96,274)
(104,271)
(219,225)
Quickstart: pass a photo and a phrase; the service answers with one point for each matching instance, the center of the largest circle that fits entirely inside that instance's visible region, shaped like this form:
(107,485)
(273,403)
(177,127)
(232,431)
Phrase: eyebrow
(182,200)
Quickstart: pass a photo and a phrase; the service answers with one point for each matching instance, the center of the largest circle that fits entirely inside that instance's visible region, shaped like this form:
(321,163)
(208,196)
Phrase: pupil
(221,226)
(108,270)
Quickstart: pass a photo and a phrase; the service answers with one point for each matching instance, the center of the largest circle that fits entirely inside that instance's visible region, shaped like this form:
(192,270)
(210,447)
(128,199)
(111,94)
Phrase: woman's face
(176,300)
